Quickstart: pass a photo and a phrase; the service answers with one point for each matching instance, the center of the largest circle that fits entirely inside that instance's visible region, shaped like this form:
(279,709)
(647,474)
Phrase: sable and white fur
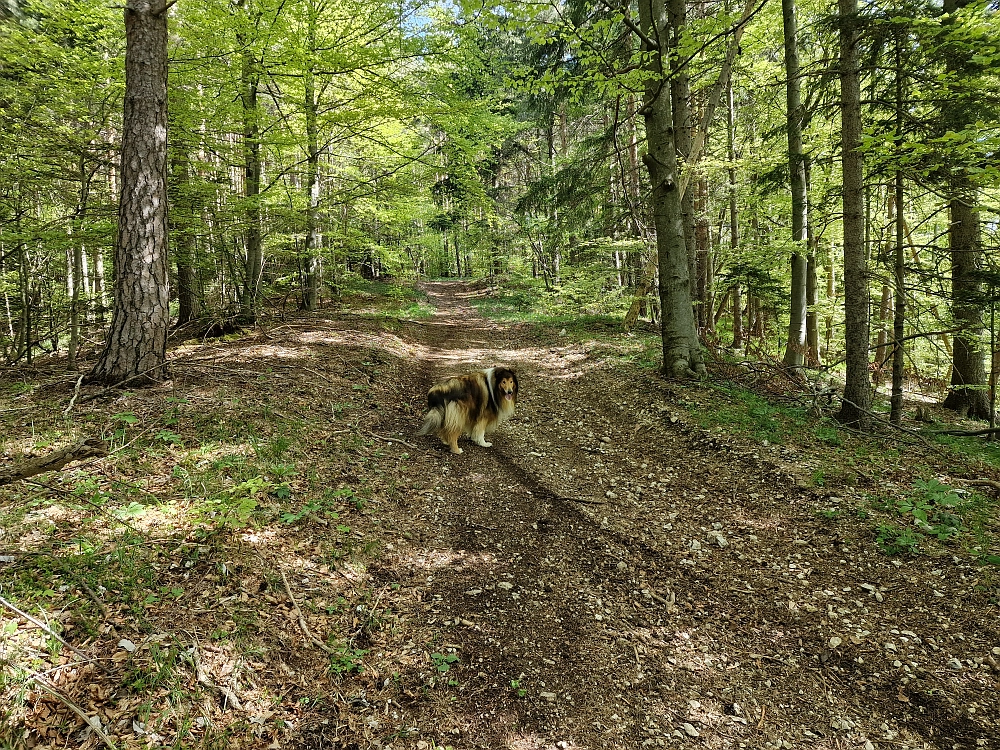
(473,405)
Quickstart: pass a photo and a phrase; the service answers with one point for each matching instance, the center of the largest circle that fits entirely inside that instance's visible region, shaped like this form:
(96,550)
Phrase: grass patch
(582,302)
(750,414)
(393,300)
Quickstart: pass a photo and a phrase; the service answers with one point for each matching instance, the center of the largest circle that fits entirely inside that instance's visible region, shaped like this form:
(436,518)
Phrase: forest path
(609,577)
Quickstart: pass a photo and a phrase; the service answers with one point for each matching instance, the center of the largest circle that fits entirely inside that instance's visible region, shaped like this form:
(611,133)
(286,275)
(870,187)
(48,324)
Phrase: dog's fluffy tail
(432,422)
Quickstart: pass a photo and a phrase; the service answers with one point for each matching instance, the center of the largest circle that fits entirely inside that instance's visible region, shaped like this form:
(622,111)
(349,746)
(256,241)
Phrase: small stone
(126,644)
(869,745)
(548,696)
(622,566)
(689,730)
(954,663)
(835,641)
(605,439)
(506,586)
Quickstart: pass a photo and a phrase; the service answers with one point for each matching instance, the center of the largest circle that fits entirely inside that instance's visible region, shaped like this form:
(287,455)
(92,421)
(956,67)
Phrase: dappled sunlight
(428,559)
(531,741)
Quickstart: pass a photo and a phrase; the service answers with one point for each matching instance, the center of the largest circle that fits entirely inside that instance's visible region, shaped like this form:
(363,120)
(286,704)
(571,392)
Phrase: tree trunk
(812,317)
(796,345)
(77,289)
(702,248)
(899,259)
(311,293)
(254,262)
(182,218)
(899,280)
(136,348)
(855,410)
(734,217)
(968,394)
(681,350)
(683,133)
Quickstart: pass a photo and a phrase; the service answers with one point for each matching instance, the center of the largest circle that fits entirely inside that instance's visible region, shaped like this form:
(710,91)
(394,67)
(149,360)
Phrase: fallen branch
(968,433)
(205,680)
(302,620)
(92,723)
(49,630)
(76,393)
(393,440)
(984,483)
(87,448)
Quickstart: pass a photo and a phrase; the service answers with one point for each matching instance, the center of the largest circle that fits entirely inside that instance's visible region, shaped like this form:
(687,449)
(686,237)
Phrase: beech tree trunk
(734,217)
(254,262)
(682,354)
(182,218)
(796,344)
(812,298)
(856,406)
(683,130)
(136,348)
(314,238)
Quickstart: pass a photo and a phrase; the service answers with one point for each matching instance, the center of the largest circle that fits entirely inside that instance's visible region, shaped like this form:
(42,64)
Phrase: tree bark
(254,262)
(968,394)
(682,354)
(310,297)
(812,317)
(136,348)
(87,448)
(182,218)
(683,133)
(855,410)
(734,217)
(796,344)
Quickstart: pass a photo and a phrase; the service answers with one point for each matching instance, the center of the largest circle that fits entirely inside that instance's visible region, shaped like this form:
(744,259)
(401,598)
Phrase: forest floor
(269,557)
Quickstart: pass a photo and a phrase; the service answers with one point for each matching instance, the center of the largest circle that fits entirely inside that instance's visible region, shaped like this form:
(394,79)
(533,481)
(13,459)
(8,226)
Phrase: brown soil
(607,575)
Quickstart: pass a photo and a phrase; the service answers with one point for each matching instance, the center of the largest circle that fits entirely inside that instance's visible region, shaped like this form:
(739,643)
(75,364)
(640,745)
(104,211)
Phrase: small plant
(829,514)
(442,662)
(344,660)
(515,685)
(933,507)
(893,540)
(235,507)
(170,438)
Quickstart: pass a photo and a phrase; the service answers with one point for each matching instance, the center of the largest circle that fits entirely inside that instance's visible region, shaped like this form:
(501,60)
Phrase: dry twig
(49,630)
(55,693)
(302,620)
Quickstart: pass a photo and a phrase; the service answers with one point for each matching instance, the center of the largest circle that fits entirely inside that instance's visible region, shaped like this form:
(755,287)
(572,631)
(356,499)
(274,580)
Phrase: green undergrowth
(388,298)
(582,301)
(927,517)
(745,412)
(155,532)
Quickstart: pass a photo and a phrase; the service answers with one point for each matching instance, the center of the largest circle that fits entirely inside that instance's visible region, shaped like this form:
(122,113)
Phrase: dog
(473,404)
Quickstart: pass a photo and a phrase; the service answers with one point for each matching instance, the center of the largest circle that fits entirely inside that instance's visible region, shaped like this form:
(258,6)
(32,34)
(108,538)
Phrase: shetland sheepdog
(473,404)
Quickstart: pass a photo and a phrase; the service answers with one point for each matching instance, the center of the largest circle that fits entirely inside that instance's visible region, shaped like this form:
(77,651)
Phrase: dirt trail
(611,578)
(607,576)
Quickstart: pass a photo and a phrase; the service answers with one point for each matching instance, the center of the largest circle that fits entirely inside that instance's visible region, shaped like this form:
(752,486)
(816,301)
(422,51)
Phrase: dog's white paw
(456,451)
(485,444)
